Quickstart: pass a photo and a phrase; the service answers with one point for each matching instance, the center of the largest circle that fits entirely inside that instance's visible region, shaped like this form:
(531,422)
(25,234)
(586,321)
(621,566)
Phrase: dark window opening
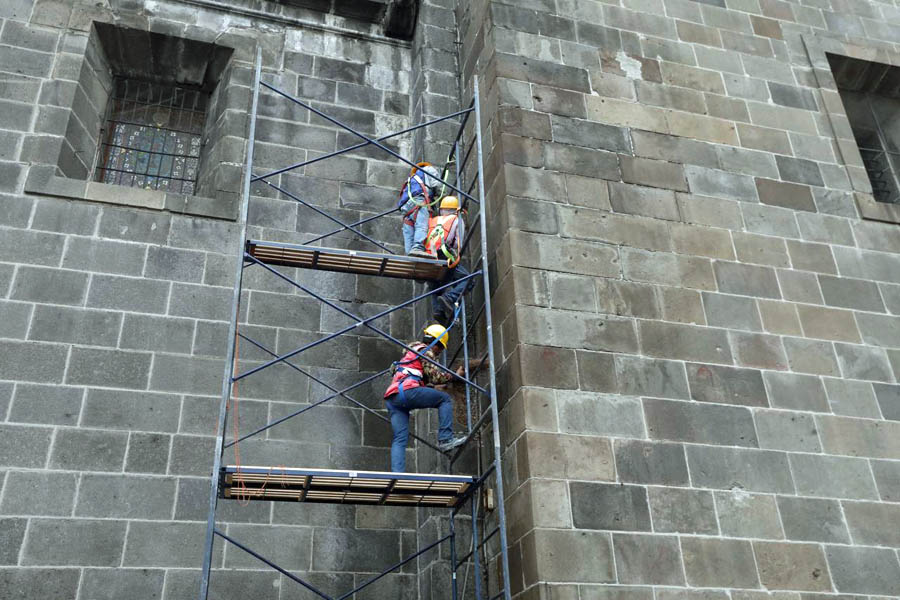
(152,136)
(870,93)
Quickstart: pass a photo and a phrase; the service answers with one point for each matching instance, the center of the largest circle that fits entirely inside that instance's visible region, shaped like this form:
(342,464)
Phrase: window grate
(152,136)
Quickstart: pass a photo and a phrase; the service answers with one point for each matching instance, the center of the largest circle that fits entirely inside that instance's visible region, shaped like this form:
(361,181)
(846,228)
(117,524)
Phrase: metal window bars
(359,487)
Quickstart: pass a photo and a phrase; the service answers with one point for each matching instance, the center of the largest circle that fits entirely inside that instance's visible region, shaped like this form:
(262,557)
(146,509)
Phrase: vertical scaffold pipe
(232,337)
(485,278)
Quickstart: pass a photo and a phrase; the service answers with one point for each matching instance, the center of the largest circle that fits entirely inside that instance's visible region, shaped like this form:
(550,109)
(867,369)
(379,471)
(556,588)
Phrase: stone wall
(699,328)
(115,304)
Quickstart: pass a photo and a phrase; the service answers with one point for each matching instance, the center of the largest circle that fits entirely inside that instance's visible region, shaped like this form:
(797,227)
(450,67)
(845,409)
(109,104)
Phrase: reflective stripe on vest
(438,231)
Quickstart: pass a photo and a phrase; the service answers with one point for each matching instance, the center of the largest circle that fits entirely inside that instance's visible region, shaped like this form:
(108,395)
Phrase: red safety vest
(409,371)
(438,231)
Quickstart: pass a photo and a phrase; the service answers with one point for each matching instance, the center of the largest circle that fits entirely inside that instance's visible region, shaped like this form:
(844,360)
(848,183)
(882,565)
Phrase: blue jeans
(452,293)
(415,235)
(420,397)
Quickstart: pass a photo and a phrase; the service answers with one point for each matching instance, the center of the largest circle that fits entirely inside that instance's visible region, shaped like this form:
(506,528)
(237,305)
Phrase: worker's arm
(433,374)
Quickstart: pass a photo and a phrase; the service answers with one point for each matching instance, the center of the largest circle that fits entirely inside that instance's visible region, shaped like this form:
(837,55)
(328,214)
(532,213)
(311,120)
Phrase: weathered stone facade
(696,307)
(698,323)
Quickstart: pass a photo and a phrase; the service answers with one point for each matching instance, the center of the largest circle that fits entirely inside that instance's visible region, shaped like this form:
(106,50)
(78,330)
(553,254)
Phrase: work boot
(442,318)
(419,251)
(448,445)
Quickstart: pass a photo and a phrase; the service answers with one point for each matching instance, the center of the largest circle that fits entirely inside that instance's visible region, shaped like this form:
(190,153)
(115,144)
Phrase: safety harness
(440,229)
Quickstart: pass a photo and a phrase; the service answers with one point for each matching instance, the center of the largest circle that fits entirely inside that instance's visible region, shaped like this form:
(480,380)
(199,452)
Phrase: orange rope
(243,496)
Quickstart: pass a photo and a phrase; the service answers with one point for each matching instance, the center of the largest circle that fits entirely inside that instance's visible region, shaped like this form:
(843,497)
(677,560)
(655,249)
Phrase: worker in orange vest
(411,389)
(446,233)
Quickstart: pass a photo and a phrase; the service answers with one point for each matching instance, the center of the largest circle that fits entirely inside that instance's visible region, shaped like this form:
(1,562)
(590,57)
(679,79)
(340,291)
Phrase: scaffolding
(481,492)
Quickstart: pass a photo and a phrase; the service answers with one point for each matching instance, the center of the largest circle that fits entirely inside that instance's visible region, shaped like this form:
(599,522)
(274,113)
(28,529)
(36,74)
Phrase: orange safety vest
(438,230)
(409,371)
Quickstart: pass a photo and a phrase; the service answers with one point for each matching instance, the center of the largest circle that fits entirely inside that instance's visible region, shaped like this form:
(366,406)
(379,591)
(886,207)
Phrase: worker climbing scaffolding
(413,377)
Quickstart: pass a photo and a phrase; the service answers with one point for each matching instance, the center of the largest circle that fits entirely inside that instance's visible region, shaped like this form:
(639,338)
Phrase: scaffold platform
(347,261)
(344,487)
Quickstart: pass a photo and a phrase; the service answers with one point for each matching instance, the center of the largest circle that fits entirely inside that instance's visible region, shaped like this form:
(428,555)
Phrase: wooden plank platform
(343,487)
(346,261)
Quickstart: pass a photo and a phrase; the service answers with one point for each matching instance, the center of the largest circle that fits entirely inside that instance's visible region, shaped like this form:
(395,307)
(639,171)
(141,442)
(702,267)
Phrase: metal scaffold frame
(358,486)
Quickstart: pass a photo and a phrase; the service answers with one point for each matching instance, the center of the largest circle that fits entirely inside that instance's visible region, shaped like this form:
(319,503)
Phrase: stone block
(718,131)
(565,457)
(682,306)
(588,192)
(683,511)
(785,194)
(203,302)
(880,330)
(799,170)
(769,220)
(89,450)
(811,356)
(614,228)
(12,532)
(645,559)
(868,523)
(24,446)
(859,437)
(575,330)
(664,147)
(127,497)
(131,410)
(123,293)
(82,542)
(547,556)
(21,584)
(651,462)
(833,476)
(351,550)
(609,507)
(31,361)
(109,584)
(557,101)
(863,362)
(31,247)
(648,377)
(173,373)
(782,430)
(51,286)
(889,400)
(104,256)
(533,183)
(702,241)
(721,184)
(626,298)
(747,280)
(852,398)
(731,312)
(50,404)
(36,493)
(748,515)
(653,173)
(860,570)
(761,250)
(154,544)
(726,385)
(813,519)
(758,350)
(590,134)
(109,368)
(668,269)
(75,326)
(761,138)
(851,293)
(787,566)
(796,392)
(697,423)
(684,342)
(161,334)
(174,264)
(147,453)
(753,470)
(537,504)
(542,72)
(828,323)
(779,317)
(570,256)
(596,414)
(719,563)
(887,478)
(811,257)
(596,371)
(825,228)
(644,201)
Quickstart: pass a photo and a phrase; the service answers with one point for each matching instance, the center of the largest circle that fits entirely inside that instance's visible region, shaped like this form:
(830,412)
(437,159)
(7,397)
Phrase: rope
(243,496)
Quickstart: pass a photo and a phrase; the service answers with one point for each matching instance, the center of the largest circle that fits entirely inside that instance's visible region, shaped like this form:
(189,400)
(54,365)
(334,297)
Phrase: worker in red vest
(411,389)
(446,233)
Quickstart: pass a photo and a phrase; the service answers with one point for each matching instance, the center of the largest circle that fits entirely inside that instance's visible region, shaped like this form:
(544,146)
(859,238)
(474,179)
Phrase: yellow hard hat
(450,202)
(438,332)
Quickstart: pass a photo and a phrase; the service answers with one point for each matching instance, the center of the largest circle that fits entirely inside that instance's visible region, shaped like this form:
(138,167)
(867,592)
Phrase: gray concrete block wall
(695,318)
(115,324)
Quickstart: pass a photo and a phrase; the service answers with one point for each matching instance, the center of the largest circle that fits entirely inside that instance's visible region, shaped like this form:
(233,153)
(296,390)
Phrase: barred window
(152,136)
(874,121)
